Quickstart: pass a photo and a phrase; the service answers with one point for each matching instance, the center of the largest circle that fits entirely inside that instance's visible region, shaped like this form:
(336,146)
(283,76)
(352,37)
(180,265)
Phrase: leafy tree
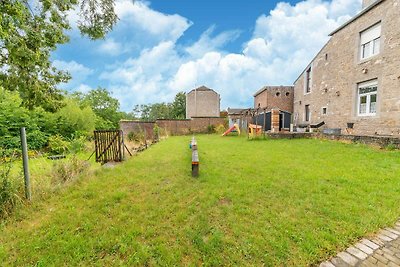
(179,106)
(29,34)
(104,106)
(72,120)
(174,110)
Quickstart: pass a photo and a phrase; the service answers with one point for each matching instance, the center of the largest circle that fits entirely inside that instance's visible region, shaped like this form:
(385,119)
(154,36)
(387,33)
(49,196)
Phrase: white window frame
(370,38)
(372,84)
(308,80)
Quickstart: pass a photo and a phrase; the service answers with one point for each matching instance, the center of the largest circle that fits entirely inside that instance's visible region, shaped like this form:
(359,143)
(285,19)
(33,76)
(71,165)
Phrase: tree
(174,110)
(179,106)
(29,34)
(104,106)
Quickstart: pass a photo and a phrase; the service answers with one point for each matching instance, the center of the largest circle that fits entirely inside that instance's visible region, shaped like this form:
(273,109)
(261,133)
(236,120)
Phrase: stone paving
(382,250)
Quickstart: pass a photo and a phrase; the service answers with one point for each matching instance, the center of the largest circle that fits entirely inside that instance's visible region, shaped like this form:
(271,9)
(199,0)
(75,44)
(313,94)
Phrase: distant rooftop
(232,111)
(202,88)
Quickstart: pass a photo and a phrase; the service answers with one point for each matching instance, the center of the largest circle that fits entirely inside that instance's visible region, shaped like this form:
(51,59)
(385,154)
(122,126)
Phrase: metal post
(28,194)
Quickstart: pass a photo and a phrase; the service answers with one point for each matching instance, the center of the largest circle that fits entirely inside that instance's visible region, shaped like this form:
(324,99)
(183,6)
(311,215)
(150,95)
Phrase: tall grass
(10,188)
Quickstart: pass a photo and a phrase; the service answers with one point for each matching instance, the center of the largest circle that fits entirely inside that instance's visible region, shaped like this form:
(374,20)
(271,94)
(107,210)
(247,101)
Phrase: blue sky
(159,48)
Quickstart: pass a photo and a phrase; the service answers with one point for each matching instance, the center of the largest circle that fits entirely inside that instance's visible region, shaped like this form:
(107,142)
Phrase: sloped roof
(236,110)
(362,12)
(344,25)
(202,88)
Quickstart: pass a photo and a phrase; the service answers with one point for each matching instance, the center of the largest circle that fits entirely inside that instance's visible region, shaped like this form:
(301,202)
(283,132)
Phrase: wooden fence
(109,145)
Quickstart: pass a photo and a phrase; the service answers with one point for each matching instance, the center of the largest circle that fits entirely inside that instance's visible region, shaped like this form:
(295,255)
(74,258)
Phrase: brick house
(202,102)
(276,100)
(353,83)
(269,97)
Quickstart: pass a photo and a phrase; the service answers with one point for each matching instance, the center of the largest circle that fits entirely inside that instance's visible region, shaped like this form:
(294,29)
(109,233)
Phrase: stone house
(353,83)
(202,102)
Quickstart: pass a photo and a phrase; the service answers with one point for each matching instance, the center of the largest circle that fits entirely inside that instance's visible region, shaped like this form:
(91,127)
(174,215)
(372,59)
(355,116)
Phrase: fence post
(28,194)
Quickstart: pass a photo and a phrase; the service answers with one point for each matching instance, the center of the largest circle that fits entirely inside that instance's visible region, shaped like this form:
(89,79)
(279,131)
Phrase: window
(307,113)
(367,95)
(308,80)
(324,111)
(278,94)
(370,41)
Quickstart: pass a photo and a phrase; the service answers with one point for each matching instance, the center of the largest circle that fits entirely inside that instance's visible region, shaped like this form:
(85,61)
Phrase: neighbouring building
(353,83)
(202,102)
(276,100)
(236,115)
(269,97)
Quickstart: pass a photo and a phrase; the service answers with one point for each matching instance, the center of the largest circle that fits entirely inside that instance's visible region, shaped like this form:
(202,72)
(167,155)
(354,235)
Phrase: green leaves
(29,34)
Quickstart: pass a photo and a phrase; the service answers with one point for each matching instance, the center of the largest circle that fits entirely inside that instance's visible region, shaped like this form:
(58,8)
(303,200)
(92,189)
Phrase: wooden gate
(109,145)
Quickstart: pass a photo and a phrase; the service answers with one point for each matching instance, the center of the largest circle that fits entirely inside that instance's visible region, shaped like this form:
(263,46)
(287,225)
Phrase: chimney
(367,3)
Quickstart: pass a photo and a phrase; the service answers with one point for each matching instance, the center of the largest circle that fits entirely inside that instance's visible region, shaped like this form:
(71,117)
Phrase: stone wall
(173,127)
(270,97)
(381,141)
(337,71)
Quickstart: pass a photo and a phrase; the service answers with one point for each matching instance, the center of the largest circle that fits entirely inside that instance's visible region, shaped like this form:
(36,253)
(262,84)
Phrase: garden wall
(173,127)
(381,141)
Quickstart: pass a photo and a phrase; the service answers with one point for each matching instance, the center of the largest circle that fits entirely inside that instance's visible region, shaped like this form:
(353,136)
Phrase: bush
(77,145)
(68,170)
(220,129)
(9,189)
(137,136)
(211,129)
(58,145)
(156,131)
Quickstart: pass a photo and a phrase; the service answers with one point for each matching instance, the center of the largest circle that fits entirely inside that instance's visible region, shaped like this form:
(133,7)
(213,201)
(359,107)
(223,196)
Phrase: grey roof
(236,110)
(272,87)
(362,12)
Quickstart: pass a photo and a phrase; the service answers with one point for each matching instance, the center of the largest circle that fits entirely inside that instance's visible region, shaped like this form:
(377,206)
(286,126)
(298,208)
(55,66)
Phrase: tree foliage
(29,34)
(174,110)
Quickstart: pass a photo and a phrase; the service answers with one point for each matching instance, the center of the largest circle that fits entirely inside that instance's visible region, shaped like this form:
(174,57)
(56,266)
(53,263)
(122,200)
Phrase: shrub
(9,189)
(220,129)
(57,144)
(77,145)
(211,129)
(156,131)
(68,170)
(137,136)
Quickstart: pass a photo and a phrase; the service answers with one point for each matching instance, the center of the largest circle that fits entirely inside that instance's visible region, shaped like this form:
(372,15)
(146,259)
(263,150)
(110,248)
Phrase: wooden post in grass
(28,193)
(195,158)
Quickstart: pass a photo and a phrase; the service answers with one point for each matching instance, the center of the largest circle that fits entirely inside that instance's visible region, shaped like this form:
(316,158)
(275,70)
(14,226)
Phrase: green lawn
(273,202)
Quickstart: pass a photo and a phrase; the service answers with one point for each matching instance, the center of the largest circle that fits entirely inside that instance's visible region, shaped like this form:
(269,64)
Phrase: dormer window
(370,41)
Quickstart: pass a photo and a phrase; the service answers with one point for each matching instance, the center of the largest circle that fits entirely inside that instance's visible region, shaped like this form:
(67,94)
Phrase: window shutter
(371,34)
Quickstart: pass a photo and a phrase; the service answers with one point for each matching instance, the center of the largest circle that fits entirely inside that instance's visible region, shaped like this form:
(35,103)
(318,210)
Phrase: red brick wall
(280,97)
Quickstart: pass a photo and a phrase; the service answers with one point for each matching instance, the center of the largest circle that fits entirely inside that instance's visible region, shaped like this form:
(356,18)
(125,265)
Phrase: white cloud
(207,43)
(111,47)
(78,72)
(139,15)
(282,44)
(83,88)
